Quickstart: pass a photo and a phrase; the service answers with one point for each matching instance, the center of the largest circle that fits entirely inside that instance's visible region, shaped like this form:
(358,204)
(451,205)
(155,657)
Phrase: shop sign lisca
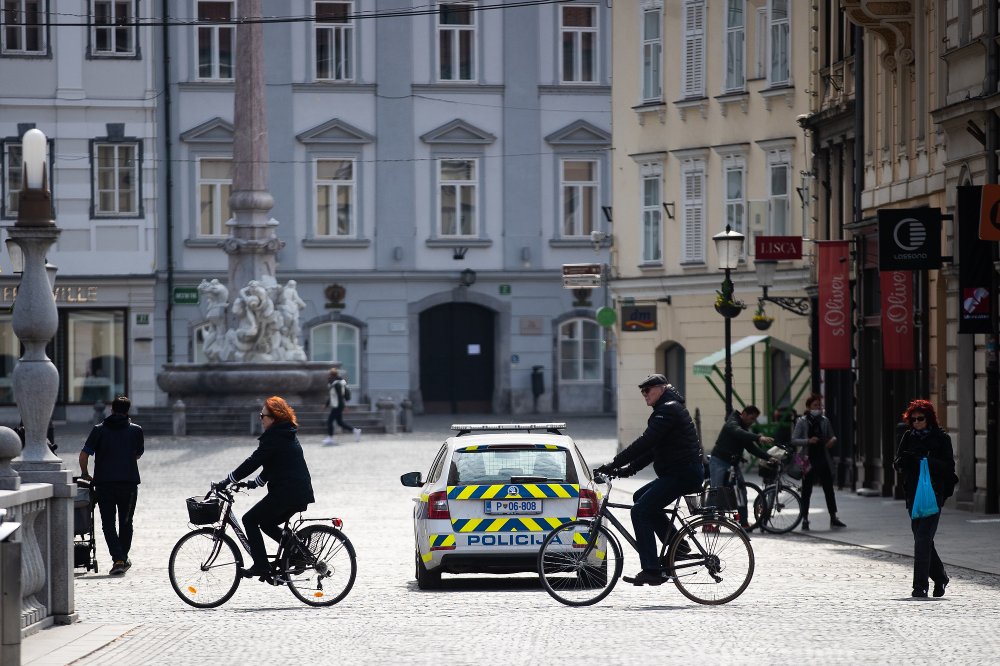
(62,294)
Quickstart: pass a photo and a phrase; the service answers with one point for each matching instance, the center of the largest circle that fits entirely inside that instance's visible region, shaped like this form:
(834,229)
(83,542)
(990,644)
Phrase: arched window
(580,351)
(337,342)
(674,366)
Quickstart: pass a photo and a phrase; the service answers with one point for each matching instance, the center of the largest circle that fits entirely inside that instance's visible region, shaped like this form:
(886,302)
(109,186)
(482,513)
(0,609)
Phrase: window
(95,348)
(458,192)
(456,42)
(674,366)
(113,29)
(579,182)
(778,195)
(335,188)
(337,342)
(503,464)
(580,346)
(778,42)
(116,179)
(24,28)
(579,44)
(734,177)
(652,56)
(693,235)
(694,48)
(735,38)
(334,41)
(760,42)
(215,184)
(10,351)
(13,171)
(652,240)
(216,43)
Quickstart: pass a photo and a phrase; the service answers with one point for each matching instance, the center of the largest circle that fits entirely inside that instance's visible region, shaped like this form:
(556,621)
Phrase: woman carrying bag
(925,440)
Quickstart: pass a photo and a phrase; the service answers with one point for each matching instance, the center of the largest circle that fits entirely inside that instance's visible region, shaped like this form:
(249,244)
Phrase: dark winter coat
(936,447)
(283,464)
(116,444)
(734,439)
(670,438)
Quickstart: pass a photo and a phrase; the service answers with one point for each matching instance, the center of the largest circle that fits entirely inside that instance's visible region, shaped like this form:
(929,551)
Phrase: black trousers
(117,504)
(336,415)
(822,473)
(926,562)
(267,516)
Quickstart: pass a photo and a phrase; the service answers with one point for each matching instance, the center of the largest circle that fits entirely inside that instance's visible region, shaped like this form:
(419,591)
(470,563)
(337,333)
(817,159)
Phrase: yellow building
(705,102)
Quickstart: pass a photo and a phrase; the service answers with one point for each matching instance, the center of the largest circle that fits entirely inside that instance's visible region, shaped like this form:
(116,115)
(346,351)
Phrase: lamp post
(728,247)
(765,278)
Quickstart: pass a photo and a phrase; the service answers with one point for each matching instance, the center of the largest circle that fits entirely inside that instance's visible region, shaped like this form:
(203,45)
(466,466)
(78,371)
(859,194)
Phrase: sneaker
(939,587)
(647,578)
(835,523)
(920,594)
(357,434)
(118,568)
(328,440)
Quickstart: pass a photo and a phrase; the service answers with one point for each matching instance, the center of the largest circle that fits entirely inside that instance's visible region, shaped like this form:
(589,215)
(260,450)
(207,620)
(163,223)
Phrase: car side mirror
(412,480)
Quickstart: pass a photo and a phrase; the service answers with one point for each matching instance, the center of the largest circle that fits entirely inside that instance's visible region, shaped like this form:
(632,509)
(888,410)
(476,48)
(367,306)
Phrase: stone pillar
(180,419)
(387,410)
(10,447)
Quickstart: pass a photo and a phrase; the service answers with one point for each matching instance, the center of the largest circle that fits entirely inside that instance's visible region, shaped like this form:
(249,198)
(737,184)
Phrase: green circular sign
(606,317)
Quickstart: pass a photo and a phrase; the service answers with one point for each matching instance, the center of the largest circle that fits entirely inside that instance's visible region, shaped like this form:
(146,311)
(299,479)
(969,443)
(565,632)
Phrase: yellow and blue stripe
(487,447)
(467,525)
(515,491)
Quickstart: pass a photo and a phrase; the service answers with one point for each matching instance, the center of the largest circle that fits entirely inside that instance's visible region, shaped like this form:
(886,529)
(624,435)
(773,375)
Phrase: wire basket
(719,499)
(203,511)
(768,471)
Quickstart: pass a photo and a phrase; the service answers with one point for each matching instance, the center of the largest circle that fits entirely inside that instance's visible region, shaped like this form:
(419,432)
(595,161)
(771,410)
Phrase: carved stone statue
(215,296)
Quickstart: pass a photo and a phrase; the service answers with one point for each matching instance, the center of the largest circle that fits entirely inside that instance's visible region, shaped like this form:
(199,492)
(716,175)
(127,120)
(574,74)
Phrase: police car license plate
(504,507)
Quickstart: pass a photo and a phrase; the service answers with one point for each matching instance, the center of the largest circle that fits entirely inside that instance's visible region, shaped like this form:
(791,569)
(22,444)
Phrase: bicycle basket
(720,499)
(768,471)
(203,511)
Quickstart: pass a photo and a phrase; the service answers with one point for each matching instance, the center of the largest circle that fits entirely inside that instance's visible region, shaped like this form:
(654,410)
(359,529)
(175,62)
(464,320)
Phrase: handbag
(802,460)
(924,501)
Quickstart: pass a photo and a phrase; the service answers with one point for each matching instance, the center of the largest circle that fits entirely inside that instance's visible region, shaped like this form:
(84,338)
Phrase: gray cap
(653,380)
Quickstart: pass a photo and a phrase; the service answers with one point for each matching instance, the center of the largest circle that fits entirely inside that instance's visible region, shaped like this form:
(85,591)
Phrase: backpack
(347,392)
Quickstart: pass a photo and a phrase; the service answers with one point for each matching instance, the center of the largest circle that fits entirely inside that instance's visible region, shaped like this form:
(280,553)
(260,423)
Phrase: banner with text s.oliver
(834,305)
(897,320)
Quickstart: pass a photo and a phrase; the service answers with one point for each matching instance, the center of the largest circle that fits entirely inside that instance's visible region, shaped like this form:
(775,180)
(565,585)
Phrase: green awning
(705,366)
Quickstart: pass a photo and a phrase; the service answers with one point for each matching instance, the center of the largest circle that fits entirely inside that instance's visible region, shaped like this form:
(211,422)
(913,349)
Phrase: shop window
(337,342)
(580,351)
(95,348)
(10,348)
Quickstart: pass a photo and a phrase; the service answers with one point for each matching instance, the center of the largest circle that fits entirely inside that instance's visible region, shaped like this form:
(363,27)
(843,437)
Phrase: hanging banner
(897,320)
(834,305)
(975,265)
(989,213)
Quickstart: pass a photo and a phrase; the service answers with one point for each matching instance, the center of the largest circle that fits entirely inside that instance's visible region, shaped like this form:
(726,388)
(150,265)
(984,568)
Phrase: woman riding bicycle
(284,471)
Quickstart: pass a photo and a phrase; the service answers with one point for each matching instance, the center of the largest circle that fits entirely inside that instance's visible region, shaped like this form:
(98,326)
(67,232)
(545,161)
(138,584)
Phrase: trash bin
(537,385)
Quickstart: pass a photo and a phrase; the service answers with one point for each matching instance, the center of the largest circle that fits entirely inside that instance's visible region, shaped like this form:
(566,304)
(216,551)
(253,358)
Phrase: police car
(492,494)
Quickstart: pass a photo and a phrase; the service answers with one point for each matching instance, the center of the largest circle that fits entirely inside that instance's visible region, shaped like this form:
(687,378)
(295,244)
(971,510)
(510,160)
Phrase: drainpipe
(856,212)
(168,170)
(991,87)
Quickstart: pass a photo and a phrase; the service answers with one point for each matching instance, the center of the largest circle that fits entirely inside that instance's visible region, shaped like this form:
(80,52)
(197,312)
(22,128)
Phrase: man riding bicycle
(734,438)
(671,443)
(284,471)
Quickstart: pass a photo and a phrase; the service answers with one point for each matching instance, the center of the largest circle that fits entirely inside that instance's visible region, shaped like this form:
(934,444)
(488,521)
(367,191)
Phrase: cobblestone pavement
(811,600)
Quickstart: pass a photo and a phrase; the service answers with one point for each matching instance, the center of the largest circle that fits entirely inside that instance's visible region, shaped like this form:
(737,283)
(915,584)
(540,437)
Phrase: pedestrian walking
(284,471)
(735,438)
(116,444)
(339,394)
(814,435)
(925,439)
(671,443)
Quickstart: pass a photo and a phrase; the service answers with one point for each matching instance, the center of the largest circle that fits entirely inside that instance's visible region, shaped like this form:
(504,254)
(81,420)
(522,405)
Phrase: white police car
(492,494)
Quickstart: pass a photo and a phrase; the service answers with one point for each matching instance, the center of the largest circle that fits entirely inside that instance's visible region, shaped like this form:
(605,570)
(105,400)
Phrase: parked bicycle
(315,560)
(734,476)
(778,508)
(580,562)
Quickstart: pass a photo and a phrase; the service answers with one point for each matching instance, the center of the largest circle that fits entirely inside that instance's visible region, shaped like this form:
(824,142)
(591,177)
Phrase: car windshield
(511,465)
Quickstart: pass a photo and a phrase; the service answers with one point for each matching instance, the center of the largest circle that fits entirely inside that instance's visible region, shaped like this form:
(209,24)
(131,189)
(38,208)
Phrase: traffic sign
(606,317)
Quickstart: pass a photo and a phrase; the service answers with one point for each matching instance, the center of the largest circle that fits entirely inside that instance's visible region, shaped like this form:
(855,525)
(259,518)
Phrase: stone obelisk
(252,244)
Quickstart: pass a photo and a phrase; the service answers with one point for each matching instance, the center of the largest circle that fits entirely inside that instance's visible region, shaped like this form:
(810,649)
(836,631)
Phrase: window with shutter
(778,42)
(694,48)
(694,213)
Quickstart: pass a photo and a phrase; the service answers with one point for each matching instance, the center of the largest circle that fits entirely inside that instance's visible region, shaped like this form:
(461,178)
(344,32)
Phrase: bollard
(180,419)
(99,407)
(406,415)
(387,410)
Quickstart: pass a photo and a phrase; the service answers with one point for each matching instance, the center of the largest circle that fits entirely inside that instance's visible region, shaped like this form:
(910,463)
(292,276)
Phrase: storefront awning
(705,366)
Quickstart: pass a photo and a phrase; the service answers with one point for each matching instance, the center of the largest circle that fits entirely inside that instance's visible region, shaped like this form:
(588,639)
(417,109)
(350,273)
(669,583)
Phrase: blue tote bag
(924,502)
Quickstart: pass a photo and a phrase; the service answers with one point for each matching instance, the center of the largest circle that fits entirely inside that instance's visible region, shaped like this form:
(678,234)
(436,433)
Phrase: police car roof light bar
(466,428)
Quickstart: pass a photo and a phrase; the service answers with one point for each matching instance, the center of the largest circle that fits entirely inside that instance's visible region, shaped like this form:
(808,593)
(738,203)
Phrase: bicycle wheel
(325,574)
(753,492)
(720,564)
(778,512)
(204,568)
(574,574)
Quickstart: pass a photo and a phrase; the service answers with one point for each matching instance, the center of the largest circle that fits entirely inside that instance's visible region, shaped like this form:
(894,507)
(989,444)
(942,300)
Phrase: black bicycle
(778,508)
(315,560)
(709,559)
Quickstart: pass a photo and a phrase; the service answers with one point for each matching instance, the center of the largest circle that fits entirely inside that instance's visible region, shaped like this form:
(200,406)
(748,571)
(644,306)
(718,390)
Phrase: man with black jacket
(735,438)
(116,444)
(671,443)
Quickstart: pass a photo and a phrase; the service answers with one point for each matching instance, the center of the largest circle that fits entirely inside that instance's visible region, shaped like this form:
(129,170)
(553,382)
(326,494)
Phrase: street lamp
(729,248)
(765,278)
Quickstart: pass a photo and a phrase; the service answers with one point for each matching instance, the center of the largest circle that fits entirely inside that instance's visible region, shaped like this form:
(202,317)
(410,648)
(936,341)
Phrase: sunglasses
(917,419)
(265,416)
(646,391)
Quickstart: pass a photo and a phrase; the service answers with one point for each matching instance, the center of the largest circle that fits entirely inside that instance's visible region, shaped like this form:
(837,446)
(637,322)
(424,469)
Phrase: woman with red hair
(925,439)
(284,471)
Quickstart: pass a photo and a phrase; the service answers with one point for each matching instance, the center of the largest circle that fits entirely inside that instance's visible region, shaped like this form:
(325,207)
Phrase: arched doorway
(457,358)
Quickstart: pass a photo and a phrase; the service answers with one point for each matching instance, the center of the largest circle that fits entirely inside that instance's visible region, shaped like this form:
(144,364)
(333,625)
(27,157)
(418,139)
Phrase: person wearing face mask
(925,439)
(814,433)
